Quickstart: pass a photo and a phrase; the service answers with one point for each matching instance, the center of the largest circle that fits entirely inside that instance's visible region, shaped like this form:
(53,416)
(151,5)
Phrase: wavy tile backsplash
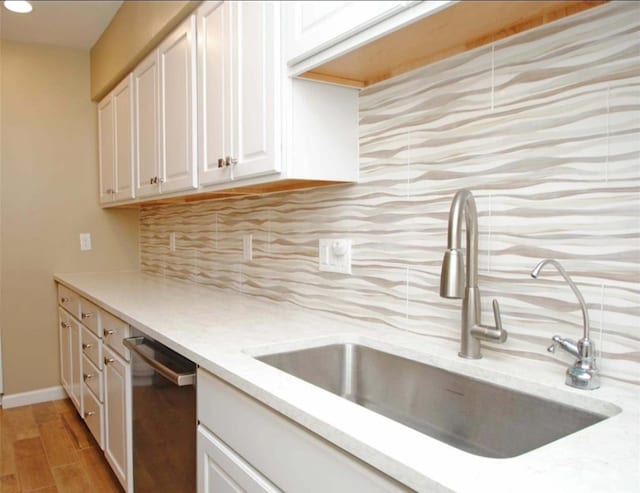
(543,127)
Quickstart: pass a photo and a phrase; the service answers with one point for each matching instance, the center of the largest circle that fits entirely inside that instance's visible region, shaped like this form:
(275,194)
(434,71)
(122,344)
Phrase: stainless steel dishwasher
(164,418)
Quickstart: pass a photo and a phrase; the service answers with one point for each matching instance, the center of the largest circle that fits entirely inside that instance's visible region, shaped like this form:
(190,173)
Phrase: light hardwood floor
(46,448)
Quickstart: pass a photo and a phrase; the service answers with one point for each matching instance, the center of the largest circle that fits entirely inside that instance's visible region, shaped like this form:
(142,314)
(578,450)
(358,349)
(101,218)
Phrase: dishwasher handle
(180,379)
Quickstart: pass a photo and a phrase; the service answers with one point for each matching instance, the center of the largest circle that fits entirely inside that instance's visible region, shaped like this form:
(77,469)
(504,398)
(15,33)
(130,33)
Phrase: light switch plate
(334,255)
(85,241)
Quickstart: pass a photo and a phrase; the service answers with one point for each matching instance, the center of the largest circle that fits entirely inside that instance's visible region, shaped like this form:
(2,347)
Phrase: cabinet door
(123,125)
(177,59)
(76,367)
(106,146)
(256,100)
(117,405)
(214,90)
(65,350)
(220,470)
(313,26)
(147,148)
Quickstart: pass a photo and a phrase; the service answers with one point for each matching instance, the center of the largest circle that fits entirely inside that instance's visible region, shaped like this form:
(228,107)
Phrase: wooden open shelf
(456,29)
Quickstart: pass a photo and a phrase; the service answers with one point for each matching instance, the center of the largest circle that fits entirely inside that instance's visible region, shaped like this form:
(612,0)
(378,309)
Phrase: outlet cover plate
(334,255)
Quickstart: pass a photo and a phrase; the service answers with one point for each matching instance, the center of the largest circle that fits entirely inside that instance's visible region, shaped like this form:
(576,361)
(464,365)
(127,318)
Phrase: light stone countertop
(220,330)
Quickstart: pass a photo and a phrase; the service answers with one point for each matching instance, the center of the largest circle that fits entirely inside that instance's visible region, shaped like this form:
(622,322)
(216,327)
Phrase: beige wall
(48,196)
(133,32)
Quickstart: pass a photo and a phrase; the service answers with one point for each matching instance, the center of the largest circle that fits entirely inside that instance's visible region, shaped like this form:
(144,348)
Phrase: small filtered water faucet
(583,374)
(454,283)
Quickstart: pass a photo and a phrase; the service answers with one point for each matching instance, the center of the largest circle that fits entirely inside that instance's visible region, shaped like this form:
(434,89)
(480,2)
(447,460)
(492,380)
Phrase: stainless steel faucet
(452,284)
(583,374)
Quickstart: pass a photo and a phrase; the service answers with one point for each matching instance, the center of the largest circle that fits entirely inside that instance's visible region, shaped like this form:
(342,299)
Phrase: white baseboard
(33,397)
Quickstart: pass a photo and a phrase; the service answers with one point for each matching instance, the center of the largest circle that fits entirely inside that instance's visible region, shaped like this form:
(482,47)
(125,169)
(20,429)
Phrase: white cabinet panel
(123,128)
(145,84)
(106,146)
(220,470)
(93,414)
(214,92)
(117,405)
(177,63)
(255,79)
(313,26)
(66,366)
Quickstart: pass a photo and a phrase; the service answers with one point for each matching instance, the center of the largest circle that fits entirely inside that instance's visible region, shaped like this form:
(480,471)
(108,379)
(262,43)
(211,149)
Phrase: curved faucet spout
(583,306)
(452,285)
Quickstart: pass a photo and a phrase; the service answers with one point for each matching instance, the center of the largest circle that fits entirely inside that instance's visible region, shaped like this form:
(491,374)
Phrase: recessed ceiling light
(19,6)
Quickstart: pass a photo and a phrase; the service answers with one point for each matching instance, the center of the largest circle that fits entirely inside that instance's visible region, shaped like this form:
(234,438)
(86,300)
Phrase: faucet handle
(569,345)
(496,314)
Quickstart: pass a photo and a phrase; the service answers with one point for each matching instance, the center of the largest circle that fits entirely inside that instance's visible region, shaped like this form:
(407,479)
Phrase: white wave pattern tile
(543,127)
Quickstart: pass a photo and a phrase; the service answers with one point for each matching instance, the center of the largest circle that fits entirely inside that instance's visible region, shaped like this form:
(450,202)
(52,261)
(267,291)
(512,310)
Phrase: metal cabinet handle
(87,376)
(221,163)
(108,361)
(109,332)
(109,190)
(86,315)
(88,414)
(86,346)
(65,325)
(64,299)
(230,161)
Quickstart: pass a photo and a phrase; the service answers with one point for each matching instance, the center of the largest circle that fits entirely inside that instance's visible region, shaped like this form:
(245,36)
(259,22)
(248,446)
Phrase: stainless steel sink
(474,416)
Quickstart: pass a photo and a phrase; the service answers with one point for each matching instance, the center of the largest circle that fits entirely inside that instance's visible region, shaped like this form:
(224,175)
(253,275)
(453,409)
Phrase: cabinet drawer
(114,331)
(69,300)
(92,378)
(93,415)
(92,347)
(90,316)
(284,452)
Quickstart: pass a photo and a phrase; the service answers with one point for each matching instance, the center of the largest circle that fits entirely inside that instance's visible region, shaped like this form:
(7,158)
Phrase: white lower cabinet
(97,377)
(70,357)
(221,470)
(243,442)
(117,406)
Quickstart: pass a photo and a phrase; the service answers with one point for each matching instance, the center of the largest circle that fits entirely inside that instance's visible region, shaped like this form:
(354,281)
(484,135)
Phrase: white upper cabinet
(106,145)
(313,26)
(238,79)
(146,85)
(123,129)
(165,138)
(258,127)
(214,90)
(115,141)
(177,64)
(255,73)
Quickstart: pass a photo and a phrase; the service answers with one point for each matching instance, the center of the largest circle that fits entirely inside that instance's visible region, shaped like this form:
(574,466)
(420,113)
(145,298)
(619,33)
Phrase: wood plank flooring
(46,448)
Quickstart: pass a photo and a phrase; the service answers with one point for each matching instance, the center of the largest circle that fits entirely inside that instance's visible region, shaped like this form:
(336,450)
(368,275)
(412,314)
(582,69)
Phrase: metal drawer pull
(86,346)
(221,163)
(64,299)
(87,376)
(88,414)
(109,332)
(65,325)
(108,361)
(180,379)
(86,315)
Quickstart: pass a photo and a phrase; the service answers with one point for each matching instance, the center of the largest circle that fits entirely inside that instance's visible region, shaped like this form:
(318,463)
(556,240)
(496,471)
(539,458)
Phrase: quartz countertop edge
(221,331)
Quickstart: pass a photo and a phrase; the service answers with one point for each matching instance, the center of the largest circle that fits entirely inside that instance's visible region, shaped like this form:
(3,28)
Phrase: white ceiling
(74,24)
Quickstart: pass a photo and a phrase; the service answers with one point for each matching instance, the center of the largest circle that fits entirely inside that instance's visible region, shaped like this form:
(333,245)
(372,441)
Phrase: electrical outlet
(247,247)
(85,241)
(334,255)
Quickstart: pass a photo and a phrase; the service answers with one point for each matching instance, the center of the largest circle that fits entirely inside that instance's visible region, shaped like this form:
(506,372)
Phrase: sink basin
(469,414)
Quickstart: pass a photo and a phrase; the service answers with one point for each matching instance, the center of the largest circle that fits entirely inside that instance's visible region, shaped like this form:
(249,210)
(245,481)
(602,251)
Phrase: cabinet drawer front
(302,460)
(92,347)
(93,415)
(92,378)
(114,331)
(221,469)
(69,300)
(90,316)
